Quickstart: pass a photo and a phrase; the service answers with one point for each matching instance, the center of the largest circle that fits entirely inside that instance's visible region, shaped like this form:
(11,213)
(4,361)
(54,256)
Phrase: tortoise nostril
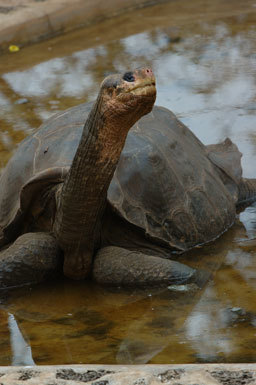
(148,72)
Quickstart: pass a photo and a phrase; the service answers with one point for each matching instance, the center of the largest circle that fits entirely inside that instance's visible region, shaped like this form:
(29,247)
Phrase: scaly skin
(115,266)
(32,258)
(81,201)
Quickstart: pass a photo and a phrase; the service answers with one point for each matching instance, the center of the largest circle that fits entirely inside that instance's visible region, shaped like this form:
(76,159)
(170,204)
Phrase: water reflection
(205,65)
(222,323)
(206,328)
(21,351)
(207,79)
(99,326)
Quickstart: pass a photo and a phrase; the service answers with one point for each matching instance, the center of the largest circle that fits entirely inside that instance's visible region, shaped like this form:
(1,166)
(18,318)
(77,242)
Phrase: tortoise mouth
(146,87)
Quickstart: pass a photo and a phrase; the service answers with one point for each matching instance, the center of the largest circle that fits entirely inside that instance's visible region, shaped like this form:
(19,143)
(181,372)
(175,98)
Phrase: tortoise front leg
(115,266)
(30,259)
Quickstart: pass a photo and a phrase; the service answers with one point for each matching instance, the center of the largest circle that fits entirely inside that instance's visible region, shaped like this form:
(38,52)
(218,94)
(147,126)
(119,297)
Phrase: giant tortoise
(116,207)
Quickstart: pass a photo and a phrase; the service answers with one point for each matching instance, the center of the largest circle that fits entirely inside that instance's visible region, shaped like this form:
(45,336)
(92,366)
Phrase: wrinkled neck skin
(81,200)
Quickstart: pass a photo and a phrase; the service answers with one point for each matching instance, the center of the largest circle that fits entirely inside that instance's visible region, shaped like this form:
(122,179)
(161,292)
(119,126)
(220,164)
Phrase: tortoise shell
(166,182)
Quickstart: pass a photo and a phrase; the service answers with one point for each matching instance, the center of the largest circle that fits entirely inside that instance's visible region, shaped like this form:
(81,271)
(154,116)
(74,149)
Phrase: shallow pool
(204,56)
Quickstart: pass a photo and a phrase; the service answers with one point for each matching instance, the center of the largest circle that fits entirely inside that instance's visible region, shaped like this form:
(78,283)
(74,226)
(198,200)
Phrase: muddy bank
(28,21)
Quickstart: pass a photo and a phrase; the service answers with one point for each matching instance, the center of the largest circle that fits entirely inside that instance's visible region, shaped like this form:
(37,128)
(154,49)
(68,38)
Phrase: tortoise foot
(115,266)
(32,258)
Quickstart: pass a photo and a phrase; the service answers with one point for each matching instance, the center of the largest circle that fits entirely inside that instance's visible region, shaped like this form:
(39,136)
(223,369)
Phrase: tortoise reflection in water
(68,191)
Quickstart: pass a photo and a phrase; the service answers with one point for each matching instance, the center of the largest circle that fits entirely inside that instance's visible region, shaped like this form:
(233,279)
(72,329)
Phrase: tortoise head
(127,97)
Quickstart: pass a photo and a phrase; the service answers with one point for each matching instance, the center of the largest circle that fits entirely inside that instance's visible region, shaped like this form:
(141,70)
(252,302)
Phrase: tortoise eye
(128,76)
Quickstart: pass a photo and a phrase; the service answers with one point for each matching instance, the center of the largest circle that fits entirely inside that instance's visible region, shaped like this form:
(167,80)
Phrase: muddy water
(204,55)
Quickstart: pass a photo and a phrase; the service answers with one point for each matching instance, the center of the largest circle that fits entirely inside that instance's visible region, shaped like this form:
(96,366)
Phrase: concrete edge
(184,374)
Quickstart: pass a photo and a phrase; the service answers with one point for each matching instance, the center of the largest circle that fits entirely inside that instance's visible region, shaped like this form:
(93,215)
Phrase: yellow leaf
(14,48)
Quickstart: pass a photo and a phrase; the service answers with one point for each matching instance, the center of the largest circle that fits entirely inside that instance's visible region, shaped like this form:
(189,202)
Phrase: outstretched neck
(81,200)
(122,100)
